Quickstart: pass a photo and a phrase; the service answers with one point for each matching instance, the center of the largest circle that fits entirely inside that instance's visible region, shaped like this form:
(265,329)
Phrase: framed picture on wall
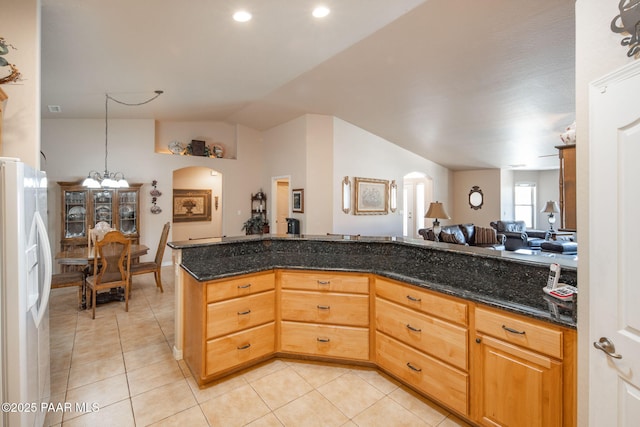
(191,205)
(372,196)
(298,200)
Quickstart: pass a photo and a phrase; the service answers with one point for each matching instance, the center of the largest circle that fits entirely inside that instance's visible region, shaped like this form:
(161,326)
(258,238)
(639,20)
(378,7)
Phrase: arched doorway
(199,178)
(417,194)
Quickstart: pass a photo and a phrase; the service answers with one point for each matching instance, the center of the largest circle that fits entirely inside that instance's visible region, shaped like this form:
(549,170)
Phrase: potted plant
(256,225)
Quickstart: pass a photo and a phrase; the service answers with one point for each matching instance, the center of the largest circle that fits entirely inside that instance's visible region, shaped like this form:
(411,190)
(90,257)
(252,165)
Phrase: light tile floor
(121,363)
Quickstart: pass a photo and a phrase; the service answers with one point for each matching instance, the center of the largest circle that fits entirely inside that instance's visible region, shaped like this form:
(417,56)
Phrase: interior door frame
(274,200)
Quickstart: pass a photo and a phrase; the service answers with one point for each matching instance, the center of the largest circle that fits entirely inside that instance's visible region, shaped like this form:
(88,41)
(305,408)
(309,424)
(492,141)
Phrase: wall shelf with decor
(214,140)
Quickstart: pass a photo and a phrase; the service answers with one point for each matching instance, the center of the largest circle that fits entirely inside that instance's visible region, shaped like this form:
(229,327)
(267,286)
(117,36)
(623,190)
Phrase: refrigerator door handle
(48,269)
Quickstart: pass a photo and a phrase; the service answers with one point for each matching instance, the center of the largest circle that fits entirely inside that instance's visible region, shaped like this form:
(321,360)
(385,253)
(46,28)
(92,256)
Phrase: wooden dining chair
(154,266)
(111,267)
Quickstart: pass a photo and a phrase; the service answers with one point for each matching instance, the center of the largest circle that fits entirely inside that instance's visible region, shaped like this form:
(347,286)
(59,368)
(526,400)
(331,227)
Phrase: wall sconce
(551,208)
(393,196)
(346,195)
(216,202)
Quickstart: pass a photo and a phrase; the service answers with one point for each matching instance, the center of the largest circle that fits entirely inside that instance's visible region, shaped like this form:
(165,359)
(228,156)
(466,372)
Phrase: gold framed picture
(372,196)
(191,205)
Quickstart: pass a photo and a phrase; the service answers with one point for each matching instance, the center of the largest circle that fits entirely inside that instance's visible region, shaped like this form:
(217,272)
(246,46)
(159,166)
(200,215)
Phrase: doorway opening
(280,205)
(199,178)
(417,192)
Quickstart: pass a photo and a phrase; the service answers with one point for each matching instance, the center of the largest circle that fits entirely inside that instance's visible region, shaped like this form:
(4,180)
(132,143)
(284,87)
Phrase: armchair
(518,236)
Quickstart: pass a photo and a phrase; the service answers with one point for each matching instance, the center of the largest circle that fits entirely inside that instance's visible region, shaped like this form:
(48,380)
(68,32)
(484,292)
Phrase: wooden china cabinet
(82,208)
(568,209)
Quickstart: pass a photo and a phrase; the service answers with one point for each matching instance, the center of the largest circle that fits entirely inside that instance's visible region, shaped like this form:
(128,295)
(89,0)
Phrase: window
(525,203)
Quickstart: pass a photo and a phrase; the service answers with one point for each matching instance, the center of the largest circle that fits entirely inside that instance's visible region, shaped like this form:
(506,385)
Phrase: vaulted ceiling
(468,84)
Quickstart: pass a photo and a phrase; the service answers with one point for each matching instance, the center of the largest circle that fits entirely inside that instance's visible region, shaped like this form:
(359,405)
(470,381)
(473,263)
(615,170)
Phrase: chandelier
(111,179)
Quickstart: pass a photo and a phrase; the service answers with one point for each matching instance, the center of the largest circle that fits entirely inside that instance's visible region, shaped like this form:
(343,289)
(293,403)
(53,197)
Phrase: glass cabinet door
(128,211)
(102,207)
(75,211)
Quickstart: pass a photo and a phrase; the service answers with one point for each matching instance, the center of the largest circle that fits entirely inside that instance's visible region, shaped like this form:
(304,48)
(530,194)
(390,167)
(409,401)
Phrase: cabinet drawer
(425,301)
(520,331)
(232,350)
(245,285)
(324,340)
(437,379)
(325,307)
(440,339)
(325,281)
(239,313)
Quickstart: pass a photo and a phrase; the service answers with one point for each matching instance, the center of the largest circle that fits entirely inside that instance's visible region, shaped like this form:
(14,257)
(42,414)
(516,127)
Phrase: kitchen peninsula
(463,326)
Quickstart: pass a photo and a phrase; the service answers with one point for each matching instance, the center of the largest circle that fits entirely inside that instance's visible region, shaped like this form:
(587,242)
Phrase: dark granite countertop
(500,279)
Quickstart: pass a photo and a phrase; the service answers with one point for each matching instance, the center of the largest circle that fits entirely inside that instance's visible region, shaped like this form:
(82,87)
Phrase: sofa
(466,234)
(518,236)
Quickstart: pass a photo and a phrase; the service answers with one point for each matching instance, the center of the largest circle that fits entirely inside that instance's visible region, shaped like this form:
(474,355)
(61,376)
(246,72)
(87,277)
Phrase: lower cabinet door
(325,340)
(437,379)
(235,349)
(517,387)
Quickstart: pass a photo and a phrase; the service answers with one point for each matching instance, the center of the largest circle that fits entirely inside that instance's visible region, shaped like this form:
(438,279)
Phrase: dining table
(83,256)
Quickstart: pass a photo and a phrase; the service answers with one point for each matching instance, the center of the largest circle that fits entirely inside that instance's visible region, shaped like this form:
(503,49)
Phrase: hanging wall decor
(11,73)
(628,23)
(155,193)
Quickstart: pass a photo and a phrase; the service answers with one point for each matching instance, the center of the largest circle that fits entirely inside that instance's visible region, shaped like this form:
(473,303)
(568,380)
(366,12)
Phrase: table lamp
(551,208)
(436,211)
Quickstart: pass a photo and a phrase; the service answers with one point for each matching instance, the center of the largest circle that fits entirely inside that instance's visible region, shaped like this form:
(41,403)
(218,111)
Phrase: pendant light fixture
(111,179)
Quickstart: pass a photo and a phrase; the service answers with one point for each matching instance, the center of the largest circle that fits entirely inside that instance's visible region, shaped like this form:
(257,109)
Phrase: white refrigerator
(25,284)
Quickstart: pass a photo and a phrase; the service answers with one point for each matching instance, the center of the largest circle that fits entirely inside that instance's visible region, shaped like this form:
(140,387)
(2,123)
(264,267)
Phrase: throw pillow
(451,237)
(485,236)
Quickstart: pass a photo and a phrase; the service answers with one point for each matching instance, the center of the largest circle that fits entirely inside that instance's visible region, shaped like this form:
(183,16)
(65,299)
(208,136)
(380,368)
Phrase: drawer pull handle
(414,368)
(244,347)
(411,328)
(322,339)
(244,313)
(513,331)
(324,282)
(323,307)
(410,298)
(248,285)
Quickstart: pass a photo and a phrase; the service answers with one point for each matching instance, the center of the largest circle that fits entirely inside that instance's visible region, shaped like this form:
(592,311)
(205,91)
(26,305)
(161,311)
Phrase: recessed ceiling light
(321,11)
(242,16)
(54,108)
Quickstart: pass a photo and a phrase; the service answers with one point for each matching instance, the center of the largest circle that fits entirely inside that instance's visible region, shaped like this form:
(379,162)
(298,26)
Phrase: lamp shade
(436,210)
(551,207)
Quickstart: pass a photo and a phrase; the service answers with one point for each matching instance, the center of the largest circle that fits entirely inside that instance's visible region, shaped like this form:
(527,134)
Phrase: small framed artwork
(372,196)
(191,205)
(197,147)
(298,200)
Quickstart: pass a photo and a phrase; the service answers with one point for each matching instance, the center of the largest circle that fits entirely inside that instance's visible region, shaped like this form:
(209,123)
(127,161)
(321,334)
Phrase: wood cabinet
(82,208)
(490,366)
(325,314)
(229,323)
(524,371)
(567,187)
(422,338)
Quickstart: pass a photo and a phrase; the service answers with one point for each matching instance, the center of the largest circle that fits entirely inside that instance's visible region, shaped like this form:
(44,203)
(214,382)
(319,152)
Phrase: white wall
(21,118)
(319,191)
(74,146)
(285,154)
(489,182)
(598,52)
(357,152)
(507,210)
